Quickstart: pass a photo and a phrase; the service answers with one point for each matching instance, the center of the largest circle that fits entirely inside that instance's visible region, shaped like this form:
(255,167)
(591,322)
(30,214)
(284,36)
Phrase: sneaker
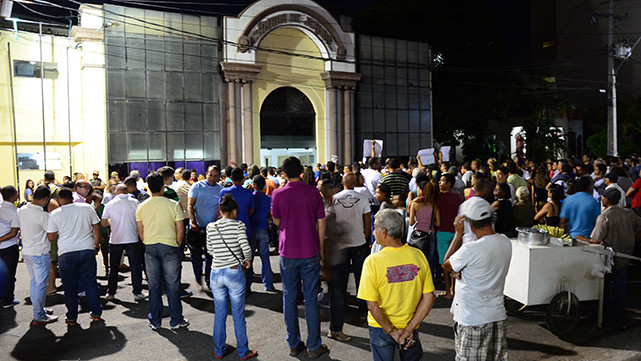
(140,297)
(296,350)
(71,323)
(181,324)
(151,325)
(110,297)
(45,320)
(49,311)
(317,353)
(185,294)
(95,318)
(250,354)
(11,304)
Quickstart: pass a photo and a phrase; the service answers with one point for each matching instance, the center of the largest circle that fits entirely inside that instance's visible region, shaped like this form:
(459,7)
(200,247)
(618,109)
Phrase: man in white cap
(480,268)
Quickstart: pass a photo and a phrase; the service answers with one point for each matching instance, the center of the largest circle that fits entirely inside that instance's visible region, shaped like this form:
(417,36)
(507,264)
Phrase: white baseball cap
(477,208)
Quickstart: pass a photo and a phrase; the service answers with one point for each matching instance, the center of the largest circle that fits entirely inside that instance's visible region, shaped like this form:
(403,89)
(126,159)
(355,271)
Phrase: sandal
(339,336)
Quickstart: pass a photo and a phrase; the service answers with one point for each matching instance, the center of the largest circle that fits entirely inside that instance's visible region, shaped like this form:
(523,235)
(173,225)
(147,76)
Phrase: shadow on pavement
(7,319)
(98,340)
(193,345)
(514,344)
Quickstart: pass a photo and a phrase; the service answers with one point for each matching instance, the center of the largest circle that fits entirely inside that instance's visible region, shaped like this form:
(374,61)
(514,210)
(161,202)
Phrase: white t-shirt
(33,227)
(478,296)
(122,213)
(349,207)
(73,222)
(371,178)
(8,220)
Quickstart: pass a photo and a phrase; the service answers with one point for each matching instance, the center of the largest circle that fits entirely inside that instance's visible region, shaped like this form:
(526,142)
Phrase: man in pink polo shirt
(298,209)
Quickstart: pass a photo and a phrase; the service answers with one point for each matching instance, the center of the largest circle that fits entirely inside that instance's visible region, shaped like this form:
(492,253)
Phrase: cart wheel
(513,307)
(563,314)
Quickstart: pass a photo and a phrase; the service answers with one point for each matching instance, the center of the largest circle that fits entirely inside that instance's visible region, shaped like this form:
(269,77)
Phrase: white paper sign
(367,148)
(427,156)
(446,153)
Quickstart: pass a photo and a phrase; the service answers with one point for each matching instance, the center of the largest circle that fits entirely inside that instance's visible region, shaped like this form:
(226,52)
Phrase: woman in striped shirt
(227,243)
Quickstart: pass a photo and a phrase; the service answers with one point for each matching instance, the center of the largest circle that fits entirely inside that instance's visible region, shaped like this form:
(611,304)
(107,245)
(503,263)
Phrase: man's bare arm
(180,232)
(367,224)
(384,322)
(141,231)
(321,236)
(105,223)
(191,211)
(276,221)
(97,236)
(12,233)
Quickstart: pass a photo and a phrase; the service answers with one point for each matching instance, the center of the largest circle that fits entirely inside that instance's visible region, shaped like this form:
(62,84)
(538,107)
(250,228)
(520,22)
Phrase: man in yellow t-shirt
(160,227)
(397,285)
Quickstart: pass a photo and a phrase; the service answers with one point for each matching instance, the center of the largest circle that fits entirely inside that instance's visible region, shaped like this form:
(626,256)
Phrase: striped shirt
(235,235)
(398,183)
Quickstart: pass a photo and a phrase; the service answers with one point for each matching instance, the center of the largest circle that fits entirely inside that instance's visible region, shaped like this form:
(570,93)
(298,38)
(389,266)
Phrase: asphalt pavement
(124,334)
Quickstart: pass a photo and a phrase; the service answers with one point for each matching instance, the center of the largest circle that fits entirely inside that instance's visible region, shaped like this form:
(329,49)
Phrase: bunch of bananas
(554,231)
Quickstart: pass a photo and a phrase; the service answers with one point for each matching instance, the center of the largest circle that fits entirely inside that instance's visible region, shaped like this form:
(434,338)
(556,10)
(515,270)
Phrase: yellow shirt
(395,278)
(159,216)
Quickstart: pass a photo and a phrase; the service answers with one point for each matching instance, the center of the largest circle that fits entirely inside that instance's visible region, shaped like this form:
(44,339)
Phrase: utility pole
(612,90)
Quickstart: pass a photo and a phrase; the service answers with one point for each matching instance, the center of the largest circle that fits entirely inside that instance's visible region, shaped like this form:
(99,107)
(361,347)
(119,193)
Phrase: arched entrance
(287,122)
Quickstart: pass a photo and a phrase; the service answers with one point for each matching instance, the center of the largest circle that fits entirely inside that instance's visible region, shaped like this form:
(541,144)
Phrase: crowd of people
(404,229)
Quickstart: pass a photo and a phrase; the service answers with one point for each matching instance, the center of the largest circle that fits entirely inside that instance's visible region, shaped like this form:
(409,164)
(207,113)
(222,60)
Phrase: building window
(31,69)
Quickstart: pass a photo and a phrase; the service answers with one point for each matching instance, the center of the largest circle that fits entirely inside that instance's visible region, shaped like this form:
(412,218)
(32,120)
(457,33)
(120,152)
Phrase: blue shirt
(244,198)
(581,210)
(262,204)
(206,197)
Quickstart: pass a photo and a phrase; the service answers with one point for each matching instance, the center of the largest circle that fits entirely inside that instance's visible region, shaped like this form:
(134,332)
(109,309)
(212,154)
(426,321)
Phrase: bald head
(82,187)
(121,189)
(349,181)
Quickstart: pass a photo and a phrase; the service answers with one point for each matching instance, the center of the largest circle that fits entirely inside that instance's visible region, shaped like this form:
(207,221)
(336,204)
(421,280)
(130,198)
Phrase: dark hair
(50,176)
(8,192)
(511,167)
(566,168)
(237,175)
(506,189)
(132,180)
(42,192)
(27,184)
(373,161)
(259,181)
(394,163)
(602,168)
(228,203)
(557,193)
(356,167)
(155,182)
(308,176)
(263,171)
(185,174)
(228,170)
(449,178)
(503,169)
(331,166)
(215,167)
(422,177)
(583,183)
(385,188)
(243,166)
(252,171)
(167,172)
(292,167)
(65,193)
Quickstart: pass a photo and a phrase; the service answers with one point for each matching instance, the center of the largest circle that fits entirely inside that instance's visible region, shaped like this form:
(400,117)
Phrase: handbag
(197,239)
(421,239)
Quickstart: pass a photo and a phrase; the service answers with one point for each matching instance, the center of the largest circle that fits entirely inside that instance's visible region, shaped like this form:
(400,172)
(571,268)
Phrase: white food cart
(560,277)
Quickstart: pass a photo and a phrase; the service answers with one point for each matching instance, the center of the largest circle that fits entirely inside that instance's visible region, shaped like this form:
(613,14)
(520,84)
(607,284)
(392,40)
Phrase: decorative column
(340,87)
(240,139)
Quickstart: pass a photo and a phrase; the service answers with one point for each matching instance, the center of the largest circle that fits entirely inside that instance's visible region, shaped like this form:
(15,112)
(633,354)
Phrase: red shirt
(636,201)
(448,207)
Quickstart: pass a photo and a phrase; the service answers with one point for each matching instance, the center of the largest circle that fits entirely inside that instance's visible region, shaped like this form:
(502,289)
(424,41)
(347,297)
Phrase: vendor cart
(558,276)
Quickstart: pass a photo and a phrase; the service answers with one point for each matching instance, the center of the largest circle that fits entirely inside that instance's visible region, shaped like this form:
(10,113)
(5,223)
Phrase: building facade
(149,88)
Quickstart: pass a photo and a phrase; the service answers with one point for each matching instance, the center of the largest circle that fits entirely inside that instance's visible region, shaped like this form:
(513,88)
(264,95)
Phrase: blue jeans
(615,290)
(383,346)
(260,240)
(38,267)
(163,265)
(135,253)
(197,263)
(10,256)
(292,272)
(78,272)
(229,285)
